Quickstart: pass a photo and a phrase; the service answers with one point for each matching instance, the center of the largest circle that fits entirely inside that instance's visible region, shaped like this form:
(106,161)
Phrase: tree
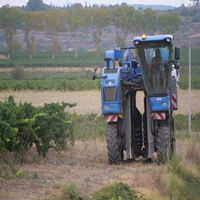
(55,21)
(35,5)
(99,19)
(168,22)
(124,18)
(10,20)
(76,20)
(148,21)
(32,21)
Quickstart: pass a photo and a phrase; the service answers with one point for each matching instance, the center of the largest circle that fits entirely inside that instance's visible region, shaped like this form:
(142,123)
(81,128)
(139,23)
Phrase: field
(89,101)
(85,164)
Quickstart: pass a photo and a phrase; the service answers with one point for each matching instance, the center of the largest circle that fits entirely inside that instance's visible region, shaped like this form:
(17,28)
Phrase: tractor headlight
(168,40)
(136,42)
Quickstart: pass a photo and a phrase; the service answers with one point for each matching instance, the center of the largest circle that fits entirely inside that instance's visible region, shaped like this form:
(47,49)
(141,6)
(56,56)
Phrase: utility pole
(189,93)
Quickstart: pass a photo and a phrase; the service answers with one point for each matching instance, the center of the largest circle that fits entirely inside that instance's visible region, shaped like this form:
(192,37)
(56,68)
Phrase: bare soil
(90,101)
(84,165)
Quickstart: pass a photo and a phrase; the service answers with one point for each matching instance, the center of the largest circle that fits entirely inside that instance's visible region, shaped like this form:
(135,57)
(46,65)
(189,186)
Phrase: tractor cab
(155,57)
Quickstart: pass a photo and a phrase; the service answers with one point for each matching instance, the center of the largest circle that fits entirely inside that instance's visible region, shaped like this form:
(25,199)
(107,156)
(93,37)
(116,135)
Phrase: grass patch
(195,81)
(16,73)
(188,185)
(44,59)
(181,122)
(51,84)
(116,191)
(88,126)
(195,52)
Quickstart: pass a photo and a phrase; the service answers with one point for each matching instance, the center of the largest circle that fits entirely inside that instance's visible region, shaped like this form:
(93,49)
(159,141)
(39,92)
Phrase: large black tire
(114,144)
(163,142)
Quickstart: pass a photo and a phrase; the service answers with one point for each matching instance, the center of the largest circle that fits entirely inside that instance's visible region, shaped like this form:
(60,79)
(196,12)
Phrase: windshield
(156,68)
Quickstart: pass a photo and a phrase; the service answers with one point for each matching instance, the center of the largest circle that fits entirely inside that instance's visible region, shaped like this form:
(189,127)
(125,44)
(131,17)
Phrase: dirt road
(90,101)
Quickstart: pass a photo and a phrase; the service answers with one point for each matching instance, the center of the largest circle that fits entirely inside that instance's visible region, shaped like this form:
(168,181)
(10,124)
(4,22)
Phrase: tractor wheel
(163,142)
(114,144)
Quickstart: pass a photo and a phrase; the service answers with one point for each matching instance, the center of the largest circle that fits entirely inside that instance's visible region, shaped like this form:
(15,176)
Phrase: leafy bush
(117,191)
(71,193)
(23,125)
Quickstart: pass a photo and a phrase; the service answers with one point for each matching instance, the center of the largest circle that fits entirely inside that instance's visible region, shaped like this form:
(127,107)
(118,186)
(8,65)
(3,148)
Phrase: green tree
(10,20)
(99,19)
(125,19)
(55,22)
(35,5)
(32,21)
(75,22)
(148,21)
(169,22)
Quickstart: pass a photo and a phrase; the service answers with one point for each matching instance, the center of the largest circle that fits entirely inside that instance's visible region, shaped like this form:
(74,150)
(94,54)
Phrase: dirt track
(90,101)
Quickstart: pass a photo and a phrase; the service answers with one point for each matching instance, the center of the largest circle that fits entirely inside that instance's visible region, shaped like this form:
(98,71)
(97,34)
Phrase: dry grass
(193,153)
(86,166)
(49,69)
(90,101)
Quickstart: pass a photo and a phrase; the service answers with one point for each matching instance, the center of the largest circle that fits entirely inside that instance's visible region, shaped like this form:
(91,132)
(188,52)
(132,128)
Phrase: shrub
(117,191)
(71,193)
(23,125)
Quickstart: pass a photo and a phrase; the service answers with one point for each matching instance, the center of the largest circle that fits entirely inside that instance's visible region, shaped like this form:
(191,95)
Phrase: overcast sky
(107,2)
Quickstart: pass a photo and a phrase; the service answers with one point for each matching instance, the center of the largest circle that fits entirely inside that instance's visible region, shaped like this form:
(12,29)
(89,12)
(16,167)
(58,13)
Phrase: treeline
(121,20)
(190,13)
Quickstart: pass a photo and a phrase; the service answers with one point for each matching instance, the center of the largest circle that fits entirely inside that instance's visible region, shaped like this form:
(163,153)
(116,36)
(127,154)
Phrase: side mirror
(177,53)
(94,76)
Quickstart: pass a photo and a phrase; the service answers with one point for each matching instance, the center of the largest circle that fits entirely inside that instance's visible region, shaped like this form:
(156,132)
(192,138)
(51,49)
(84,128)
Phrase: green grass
(88,126)
(181,122)
(116,191)
(195,52)
(82,74)
(195,81)
(184,185)
(50,84)
(64,59)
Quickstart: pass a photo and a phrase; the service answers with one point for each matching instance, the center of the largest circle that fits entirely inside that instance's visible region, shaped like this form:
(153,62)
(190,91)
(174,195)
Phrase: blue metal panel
(112,80)
(110,54)
(115,54)
(118,54)
(159,103)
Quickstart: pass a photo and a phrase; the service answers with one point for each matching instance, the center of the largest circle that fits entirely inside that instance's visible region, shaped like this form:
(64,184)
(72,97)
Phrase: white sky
(107,2)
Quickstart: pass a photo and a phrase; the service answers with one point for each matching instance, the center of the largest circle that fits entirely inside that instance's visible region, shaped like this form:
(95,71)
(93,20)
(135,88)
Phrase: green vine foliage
(23,125)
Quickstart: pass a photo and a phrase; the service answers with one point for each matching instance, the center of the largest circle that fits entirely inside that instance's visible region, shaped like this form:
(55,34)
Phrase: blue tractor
(150,66)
